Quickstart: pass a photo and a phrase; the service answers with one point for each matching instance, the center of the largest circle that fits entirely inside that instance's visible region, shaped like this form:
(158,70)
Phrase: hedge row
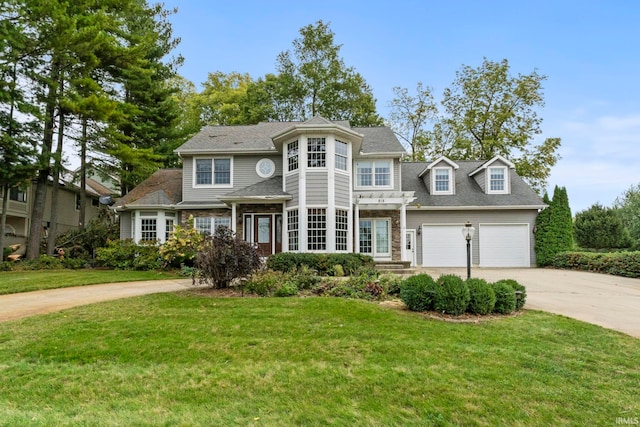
(625,264)
(452,295)
(324,264)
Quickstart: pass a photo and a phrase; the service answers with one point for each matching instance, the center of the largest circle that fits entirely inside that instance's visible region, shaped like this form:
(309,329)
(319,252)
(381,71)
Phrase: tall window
(442,178)
(373,173)
(497,180)
(292,229)
(342,229)
(375,237)
(213,171)
(341,155)
(148,229)
(292,155)
(168,228)
(17,195)
(317,229)
(316,152)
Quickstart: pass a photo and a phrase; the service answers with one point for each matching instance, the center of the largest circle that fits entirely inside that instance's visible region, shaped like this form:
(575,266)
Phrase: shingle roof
(468,192)
(248,138)
(268,188)
(164,187)
(380,140)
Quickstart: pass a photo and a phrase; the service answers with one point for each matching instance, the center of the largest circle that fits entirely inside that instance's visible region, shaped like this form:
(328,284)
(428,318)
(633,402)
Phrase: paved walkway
(15,306)
(609,301)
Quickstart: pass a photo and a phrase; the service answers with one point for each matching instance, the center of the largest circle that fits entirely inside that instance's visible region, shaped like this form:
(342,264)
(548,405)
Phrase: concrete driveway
(609,301)
(15,306)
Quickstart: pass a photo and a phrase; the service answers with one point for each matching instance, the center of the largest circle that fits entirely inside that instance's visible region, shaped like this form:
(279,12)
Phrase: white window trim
(505,172)
(433,180)
(373,178)
(307,152)
(374,253)
(265,161)
(347,157)
(213,185)
(306,225)
(286,157)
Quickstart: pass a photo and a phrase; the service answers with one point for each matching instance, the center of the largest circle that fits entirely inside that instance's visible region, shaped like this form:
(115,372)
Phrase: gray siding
(244,174)
(481,180)
(397,181)
(125,225)
(317,188)
(415,218)
(342,190)
(292,186)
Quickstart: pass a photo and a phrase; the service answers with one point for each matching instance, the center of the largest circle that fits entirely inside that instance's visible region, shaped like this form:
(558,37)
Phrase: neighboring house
(322,186)
(21,205)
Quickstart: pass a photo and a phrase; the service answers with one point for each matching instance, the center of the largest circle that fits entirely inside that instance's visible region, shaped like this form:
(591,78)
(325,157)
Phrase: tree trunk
(83,175)
(53,216)
(37,207)
(3,219)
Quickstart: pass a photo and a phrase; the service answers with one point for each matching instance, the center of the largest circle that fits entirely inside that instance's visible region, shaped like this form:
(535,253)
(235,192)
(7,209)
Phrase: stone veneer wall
(396,247)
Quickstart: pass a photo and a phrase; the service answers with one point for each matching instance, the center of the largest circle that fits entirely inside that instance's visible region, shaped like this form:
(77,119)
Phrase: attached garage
(443,246)
(504,245)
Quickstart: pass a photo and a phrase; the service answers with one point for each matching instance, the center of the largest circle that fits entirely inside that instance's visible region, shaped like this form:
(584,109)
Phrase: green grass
(12,282)
(180,359)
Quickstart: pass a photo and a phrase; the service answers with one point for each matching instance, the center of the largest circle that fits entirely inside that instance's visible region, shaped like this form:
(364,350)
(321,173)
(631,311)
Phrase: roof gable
(488,163)
(163,188)
(441,159)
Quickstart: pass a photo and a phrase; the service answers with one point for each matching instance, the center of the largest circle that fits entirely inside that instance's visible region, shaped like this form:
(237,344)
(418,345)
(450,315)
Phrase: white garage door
(504,245)
(443,246)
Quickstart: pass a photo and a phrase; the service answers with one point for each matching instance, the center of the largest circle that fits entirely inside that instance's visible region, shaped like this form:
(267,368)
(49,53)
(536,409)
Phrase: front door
(410,247)
(262,234)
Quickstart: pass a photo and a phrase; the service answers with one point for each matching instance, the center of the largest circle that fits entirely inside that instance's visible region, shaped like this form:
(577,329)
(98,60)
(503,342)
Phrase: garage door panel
(443,246)
(504,245)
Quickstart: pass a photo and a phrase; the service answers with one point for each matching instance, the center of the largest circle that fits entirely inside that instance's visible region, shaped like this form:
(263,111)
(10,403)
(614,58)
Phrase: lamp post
(467,232)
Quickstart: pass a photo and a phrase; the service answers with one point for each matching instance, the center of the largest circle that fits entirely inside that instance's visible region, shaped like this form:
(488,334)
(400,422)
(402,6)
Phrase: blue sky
(589,50)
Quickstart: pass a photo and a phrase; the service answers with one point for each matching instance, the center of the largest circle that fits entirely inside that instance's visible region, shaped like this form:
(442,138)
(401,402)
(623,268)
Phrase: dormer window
(497,180)
(442,181)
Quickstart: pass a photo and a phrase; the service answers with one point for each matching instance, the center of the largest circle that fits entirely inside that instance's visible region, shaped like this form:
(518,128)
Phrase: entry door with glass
(262,229)
(375,237)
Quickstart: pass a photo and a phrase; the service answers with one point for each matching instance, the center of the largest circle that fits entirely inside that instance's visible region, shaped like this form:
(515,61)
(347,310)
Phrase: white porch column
(234,220)
(403,230)
(285,228)
(356,228)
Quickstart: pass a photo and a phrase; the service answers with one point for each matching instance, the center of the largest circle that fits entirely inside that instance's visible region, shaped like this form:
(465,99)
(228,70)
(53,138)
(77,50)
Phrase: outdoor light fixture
(419,230)
(467,232)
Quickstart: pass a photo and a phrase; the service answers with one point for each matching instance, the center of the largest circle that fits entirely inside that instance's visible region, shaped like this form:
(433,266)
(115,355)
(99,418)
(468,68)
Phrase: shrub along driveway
(609,301)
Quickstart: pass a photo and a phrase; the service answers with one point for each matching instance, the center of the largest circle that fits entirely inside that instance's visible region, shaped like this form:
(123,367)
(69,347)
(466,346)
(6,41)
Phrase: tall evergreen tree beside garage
(554,227)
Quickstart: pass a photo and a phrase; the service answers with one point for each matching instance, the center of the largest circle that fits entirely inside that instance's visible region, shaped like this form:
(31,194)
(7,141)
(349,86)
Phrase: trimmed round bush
(518,288)
(505,298)
(482,298)
(418,292)
(452,296)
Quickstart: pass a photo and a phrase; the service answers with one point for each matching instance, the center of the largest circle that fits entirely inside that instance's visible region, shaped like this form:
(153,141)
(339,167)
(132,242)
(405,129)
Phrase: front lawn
(12,282)
(186,359)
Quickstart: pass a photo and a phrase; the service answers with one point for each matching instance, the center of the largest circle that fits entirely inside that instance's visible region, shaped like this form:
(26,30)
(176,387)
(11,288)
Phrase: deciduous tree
(628,204)
(487,111)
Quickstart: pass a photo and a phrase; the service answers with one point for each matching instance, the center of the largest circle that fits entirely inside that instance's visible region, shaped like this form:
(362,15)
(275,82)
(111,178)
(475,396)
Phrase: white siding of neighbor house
(416,218)
(125,225)
(243,174)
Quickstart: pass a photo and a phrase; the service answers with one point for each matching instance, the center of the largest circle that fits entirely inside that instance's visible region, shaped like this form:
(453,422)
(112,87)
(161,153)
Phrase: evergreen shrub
(418,292)
(482,298)
(452,295)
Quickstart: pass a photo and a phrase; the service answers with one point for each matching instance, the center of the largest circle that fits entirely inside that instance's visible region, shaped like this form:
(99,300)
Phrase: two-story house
(323,186)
